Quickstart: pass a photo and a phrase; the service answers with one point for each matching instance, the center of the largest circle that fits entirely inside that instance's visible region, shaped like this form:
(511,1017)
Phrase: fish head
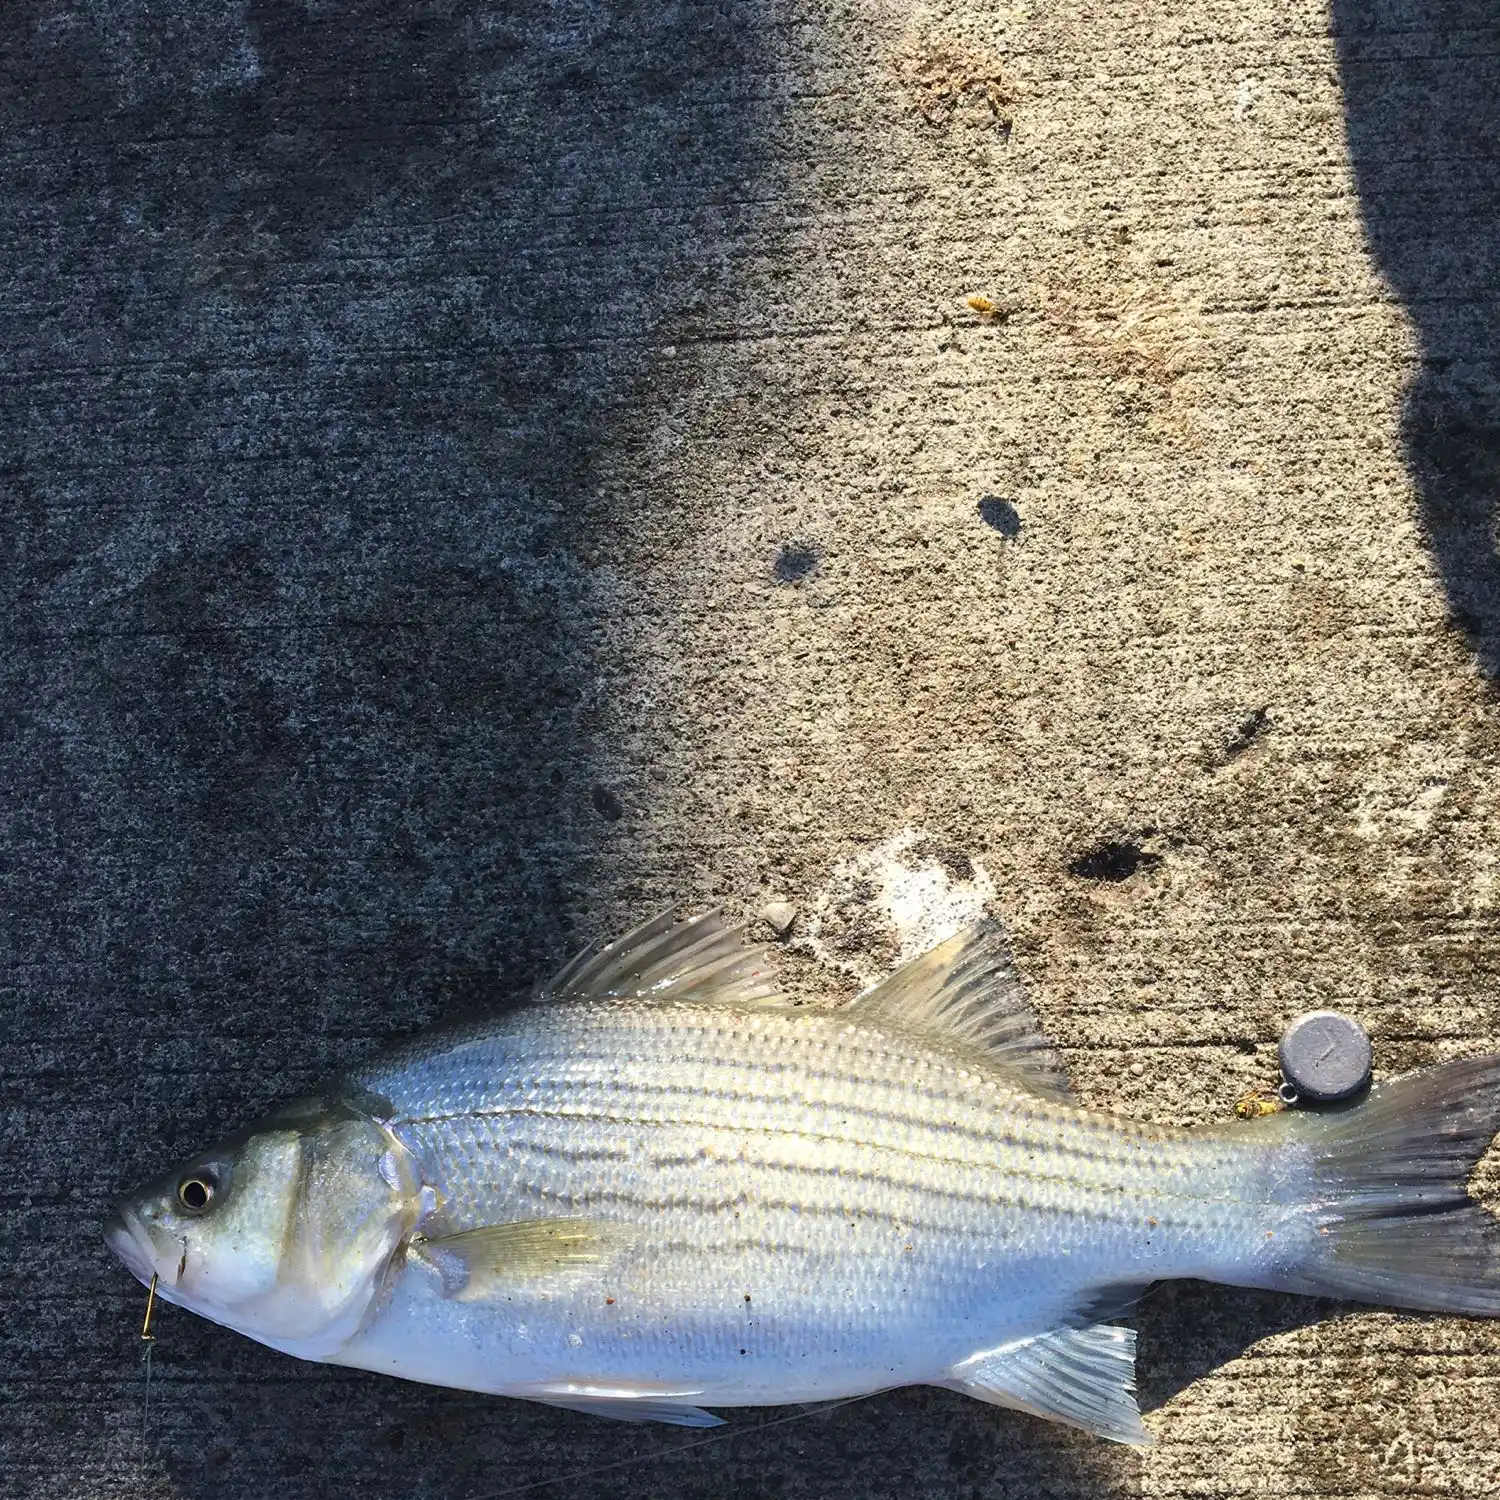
(284,1231)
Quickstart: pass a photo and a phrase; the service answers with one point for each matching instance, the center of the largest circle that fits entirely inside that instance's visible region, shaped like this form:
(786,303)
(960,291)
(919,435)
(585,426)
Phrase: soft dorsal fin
(967,988)
(1082,1376)
(670,959)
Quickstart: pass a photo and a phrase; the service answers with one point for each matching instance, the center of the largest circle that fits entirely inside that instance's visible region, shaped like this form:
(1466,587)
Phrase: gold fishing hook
(146,1333)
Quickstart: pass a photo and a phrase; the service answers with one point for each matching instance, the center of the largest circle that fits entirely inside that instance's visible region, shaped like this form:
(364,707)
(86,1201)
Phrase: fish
(656,1187)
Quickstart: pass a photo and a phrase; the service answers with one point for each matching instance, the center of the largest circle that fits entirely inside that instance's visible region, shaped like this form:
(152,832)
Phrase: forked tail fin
(1392,1219)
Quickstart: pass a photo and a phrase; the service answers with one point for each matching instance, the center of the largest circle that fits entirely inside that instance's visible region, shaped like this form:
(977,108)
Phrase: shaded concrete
(1420,81)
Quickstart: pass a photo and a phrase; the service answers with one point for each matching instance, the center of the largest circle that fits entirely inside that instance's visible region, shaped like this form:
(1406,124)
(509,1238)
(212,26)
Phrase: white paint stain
(899,898)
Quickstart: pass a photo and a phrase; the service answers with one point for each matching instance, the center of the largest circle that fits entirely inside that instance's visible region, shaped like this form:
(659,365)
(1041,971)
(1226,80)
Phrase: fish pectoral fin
(967,989)
(481,1263)
(1082,1376)
(700,959)
(624,1403)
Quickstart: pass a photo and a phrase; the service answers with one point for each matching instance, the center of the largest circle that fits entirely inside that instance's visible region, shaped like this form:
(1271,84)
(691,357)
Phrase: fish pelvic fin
(622,1403)
(670,958)
(1084,1377)
(1386,1192)
(967,989)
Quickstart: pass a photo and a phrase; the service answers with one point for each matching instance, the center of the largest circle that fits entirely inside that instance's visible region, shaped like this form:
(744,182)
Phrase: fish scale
(659,1187)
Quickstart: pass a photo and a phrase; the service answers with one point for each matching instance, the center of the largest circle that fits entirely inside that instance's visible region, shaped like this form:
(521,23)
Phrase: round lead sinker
(1325,1057)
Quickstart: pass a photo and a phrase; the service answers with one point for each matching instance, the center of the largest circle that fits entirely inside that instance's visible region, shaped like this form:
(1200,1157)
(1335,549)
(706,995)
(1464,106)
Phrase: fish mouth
(128,1237)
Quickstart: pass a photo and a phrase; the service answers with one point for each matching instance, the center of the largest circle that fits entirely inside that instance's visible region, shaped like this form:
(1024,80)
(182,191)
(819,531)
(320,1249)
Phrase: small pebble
(1137,1070)
(1325,1057)
(779,916)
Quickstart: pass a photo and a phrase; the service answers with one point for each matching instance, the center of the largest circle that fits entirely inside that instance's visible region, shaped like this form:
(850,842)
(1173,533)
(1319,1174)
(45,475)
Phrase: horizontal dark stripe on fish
(1153,1194)
(1128,1147)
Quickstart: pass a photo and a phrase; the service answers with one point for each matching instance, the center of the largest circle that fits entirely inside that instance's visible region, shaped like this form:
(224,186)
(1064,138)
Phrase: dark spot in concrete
(1250,730)
(220,1456)
(1112,861)
(1000,515)
(956,864)
(852,927)
(795,562)
(606,804)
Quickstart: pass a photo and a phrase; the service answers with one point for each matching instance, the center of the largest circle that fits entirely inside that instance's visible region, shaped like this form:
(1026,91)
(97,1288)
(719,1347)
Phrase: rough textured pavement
(474,473)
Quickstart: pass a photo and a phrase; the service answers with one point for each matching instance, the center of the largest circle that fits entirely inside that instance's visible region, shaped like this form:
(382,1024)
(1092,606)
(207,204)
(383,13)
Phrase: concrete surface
(472,474)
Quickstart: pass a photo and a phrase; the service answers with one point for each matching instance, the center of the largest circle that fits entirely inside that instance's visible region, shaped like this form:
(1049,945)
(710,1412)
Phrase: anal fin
(1084,1377)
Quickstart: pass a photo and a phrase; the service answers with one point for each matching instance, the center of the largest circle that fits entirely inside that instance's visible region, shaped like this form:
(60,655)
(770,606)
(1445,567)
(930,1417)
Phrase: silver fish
(659,1188)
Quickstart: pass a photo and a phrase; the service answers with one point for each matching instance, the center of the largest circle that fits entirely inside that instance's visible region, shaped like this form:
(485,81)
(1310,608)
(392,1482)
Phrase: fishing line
(665,1453)
(148,1339)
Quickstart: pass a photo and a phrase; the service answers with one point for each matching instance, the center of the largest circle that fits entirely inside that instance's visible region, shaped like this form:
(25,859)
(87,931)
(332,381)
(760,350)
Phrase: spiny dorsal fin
(967,988)
(697,959)
(1082,1376)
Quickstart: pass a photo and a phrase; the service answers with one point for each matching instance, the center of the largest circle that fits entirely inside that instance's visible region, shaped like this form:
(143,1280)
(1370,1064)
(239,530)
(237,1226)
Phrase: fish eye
(196,1191)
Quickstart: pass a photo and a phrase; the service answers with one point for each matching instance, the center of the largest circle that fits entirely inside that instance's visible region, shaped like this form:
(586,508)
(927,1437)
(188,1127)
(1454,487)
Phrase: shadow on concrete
(316,322)
(1421,80)
(1188,1329)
